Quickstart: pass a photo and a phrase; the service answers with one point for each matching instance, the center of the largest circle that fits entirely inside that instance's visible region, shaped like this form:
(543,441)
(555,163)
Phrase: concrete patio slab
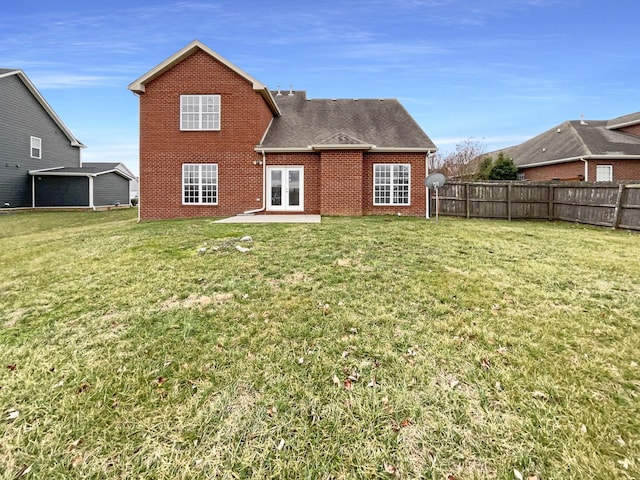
(271,219)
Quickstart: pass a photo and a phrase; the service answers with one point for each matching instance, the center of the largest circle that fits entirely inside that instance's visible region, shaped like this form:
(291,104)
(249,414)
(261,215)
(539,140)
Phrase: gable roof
(138,86)
(574,140)
(86,170)
(6,72)
(324,124)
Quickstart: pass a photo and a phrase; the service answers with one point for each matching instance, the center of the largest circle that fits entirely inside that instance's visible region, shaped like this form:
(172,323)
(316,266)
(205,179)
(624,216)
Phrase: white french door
(285,189)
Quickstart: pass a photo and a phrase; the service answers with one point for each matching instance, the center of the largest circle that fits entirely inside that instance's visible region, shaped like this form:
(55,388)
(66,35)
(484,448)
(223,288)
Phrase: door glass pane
(276,188)
(294,188)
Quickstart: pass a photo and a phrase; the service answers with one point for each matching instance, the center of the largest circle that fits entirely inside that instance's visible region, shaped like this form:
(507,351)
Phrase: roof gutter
(581,158)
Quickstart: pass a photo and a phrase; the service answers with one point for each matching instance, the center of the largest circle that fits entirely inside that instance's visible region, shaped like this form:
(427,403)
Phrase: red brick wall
(311,163)
(562,171)
(417,206)
(622,170)
(164,148)
(341,182)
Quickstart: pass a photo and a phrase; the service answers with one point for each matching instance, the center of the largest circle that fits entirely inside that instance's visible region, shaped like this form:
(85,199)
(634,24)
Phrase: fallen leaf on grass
(12,366)
(517,474)
(355,376)
(451,476)
(391,469)
(624,463)
(336,380)
(74,444)
(485,363)
(83,388)
(583,429)
(280,445)
(348,385)
(161,380)
(372,383)
(538,395)
(12,414)
(23,471)
(502,350)
(272,410)
(76,461)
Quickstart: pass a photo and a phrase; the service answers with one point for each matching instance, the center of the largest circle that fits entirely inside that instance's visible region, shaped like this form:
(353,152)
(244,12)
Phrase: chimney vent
(291,90)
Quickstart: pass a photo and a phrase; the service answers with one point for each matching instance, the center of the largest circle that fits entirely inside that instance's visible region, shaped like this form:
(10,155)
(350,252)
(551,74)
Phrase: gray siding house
(40,162)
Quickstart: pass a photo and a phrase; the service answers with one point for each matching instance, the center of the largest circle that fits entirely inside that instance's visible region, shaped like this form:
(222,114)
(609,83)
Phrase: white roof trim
(138,86)
(583,158)
(34,91)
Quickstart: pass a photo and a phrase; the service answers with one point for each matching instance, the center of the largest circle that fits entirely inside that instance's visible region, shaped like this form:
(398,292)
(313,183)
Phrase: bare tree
(462,163)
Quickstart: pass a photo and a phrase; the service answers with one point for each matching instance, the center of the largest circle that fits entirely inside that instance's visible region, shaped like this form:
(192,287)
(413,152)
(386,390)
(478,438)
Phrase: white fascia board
(34,91)
(138,86)
(582,158)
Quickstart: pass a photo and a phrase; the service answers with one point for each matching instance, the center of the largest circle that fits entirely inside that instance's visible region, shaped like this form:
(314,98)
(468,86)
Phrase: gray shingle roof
(94,168)
(6,70)
(304,123)
(623,121)
(574,139)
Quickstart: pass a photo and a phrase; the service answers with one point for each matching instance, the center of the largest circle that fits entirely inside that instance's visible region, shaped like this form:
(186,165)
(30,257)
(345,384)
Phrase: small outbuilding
(93,185)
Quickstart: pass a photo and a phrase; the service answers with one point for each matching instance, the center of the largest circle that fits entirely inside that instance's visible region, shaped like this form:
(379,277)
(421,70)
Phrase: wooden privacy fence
(606,204)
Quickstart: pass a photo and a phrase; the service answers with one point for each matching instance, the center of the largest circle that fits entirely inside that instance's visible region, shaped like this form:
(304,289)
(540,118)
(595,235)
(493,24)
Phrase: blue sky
(497,71)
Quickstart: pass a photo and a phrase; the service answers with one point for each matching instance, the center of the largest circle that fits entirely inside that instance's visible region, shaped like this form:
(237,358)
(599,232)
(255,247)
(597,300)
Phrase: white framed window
(199,112)
(391,184)
(199,184)
(604,173)
(36,147)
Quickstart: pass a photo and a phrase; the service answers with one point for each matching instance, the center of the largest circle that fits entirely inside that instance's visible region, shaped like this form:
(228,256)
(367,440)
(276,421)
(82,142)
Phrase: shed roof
(87,169)
(321,124)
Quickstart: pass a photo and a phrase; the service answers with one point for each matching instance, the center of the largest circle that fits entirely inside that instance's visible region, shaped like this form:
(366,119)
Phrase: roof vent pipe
(279,94)
(291,90)
(582,122)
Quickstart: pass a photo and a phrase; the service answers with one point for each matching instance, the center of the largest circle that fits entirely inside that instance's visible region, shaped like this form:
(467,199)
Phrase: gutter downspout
(264,188)
(586,169)
(33,191)
(427,213)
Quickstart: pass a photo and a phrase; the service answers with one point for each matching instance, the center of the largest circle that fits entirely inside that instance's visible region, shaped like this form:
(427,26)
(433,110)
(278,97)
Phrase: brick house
(214,141)
(585,150)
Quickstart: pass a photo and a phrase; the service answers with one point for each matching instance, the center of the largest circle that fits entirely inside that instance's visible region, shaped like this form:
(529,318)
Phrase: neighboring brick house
(40,162)
(215,141)
(585,150)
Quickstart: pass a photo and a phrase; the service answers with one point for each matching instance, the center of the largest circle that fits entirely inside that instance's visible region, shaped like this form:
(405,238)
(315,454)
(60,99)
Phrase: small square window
(604,173)
(36,147)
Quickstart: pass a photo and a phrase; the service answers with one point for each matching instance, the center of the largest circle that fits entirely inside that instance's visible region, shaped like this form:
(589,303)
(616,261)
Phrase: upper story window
(199,112)
(36,147)
(604,173)
(391,184)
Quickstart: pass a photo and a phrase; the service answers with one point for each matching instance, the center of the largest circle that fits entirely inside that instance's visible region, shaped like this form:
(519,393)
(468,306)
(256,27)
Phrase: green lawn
(378,347)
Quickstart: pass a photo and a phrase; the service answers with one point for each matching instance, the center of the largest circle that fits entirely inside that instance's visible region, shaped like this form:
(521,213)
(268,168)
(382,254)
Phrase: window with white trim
(200,184)
(391,184)
(36,147)
(604,173)
(199,112)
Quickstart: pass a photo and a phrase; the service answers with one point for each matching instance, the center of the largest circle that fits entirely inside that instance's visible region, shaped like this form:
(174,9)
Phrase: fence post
(617,213)
(466,196)
(550,208)
(509,201)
